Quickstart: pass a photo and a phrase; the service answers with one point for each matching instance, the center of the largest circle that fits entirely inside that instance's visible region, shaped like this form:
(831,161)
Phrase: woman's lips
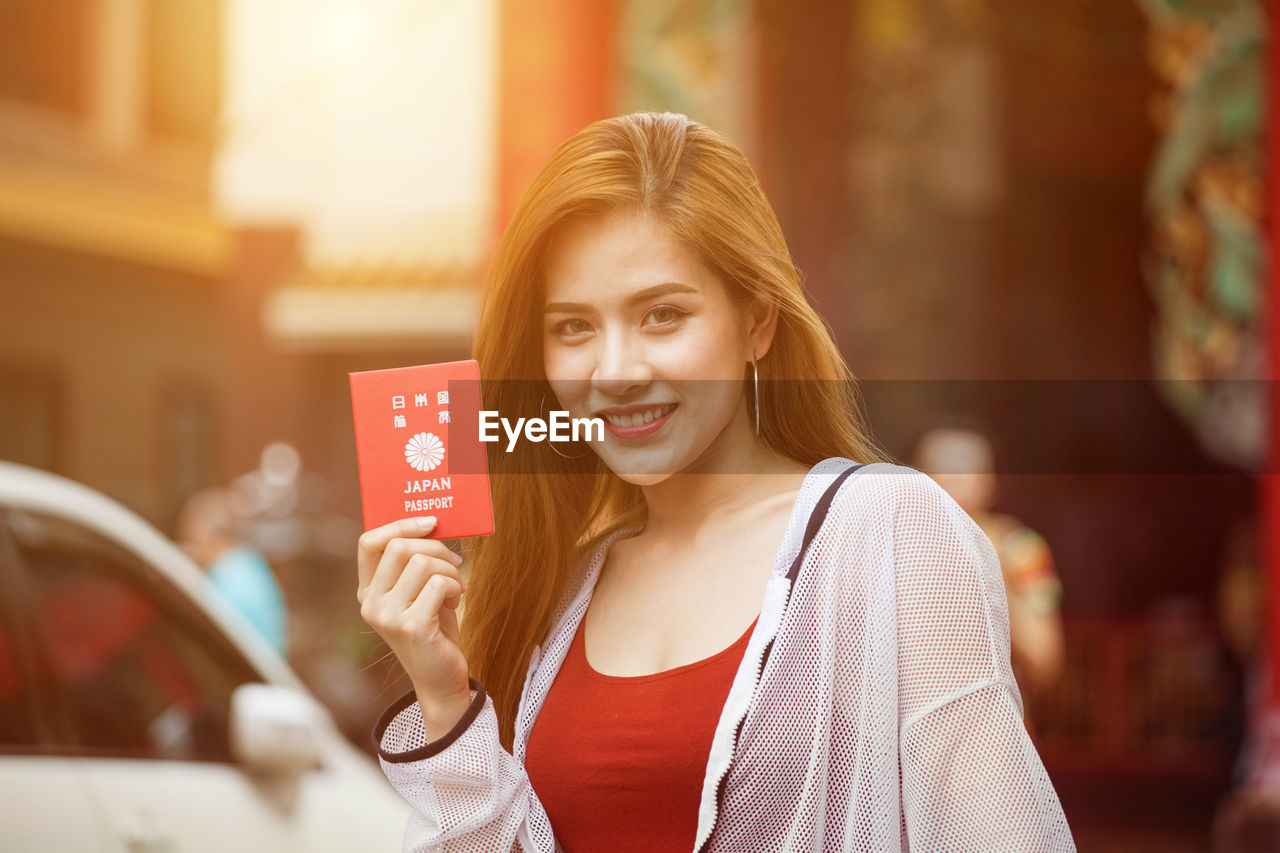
(641,430)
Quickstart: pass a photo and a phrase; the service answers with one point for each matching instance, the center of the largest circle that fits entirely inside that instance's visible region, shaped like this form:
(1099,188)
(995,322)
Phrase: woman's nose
(621,366)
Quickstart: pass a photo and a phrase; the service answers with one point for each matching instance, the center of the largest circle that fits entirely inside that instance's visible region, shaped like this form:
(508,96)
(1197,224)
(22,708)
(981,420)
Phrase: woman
(644,666)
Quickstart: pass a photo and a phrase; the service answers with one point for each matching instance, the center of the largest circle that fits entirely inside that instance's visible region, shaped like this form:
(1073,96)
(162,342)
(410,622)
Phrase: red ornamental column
(1270,497)
(558,71)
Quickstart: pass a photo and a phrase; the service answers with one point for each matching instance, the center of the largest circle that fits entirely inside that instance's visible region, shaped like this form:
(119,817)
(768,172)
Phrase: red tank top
(618,762)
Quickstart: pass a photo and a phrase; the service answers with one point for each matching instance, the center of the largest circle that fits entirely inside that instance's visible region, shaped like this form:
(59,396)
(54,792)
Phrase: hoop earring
(755,392)
(552,444)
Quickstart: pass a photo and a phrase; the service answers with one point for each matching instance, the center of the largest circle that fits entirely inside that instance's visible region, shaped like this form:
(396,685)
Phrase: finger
(416,573)
(396,556)
(373,543)
(433,595)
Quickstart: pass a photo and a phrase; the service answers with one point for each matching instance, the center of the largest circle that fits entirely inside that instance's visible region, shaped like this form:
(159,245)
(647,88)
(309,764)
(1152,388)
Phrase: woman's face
(639,332)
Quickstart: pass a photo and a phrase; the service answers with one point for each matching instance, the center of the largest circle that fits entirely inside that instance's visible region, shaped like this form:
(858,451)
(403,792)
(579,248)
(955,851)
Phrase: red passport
(418,447)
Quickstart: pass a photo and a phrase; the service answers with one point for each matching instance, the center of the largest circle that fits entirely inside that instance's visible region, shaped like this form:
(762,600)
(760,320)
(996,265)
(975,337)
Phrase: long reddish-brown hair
(549,509)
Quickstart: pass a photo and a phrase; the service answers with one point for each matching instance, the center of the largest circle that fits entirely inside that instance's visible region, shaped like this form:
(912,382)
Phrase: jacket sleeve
(467,792)
(971,777)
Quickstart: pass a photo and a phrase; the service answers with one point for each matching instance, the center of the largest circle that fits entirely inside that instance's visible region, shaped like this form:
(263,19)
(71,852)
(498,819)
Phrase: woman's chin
(643,469)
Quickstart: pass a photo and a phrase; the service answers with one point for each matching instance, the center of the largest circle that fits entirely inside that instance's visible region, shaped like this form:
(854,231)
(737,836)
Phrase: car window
(141,670)
(18,716)
(19,729)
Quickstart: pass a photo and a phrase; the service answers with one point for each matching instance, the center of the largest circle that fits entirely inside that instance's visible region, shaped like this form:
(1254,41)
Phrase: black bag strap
(816,518)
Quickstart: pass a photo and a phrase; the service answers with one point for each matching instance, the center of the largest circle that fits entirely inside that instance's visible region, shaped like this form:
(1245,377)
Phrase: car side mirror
(276,730)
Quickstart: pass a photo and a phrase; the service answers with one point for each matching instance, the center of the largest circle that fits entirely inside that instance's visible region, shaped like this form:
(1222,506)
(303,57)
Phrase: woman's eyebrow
(639,296)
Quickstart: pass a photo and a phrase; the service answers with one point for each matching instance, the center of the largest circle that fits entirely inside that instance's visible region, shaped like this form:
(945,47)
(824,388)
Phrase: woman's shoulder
(896,510)
(897,530)
(888,490)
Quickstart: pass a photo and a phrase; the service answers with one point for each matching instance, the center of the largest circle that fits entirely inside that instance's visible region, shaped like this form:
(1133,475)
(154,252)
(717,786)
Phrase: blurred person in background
(207,531)
(961,459)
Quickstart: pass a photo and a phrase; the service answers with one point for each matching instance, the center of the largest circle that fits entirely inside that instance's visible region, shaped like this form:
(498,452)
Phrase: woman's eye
(663,315)
(572,326)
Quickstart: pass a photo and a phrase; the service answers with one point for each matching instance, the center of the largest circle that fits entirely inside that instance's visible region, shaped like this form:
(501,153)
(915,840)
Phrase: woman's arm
(971,777)
(467,792)
(972,780)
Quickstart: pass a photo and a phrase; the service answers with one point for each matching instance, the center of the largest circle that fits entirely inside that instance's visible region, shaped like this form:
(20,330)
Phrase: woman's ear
(762,322)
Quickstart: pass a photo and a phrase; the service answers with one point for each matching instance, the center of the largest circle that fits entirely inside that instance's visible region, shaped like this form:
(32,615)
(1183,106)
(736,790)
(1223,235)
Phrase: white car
(139,713)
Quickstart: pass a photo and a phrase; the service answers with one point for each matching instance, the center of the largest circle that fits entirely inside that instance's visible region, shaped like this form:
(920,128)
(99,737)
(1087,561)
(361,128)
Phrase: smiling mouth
(636,419)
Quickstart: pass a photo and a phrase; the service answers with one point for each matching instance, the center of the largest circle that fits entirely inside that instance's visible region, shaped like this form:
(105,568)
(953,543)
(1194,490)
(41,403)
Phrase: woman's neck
(727,479)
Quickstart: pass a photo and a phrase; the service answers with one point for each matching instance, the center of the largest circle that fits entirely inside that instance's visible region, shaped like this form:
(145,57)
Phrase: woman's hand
(409,591)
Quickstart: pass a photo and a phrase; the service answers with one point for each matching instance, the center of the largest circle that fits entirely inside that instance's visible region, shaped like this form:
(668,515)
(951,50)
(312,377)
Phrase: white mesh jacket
(874,708)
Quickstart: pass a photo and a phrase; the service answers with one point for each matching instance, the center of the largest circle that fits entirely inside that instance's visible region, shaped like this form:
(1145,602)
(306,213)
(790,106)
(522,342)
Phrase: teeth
(639,418)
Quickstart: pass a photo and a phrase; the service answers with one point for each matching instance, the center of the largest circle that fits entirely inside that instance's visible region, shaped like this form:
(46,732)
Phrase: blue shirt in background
(243,576)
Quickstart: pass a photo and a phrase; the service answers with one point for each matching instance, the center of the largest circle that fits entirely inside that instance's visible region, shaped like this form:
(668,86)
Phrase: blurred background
(1042,222)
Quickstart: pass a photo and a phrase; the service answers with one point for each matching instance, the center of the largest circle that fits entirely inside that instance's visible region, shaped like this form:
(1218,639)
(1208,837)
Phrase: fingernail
(456,557)
(427,523)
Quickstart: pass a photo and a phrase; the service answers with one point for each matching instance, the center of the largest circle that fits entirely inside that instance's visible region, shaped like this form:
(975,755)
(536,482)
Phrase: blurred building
(204,225)
(111,259)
